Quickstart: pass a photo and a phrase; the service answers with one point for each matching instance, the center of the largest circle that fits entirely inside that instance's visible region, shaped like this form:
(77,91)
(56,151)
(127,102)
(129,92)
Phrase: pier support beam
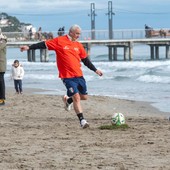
(87,47)
(112,50)
(167,52)
(33,56)
(125,53)
(115,53)
(152,52)
(29,55)
(130,51)
(110,53)
(157,52)
(44,55)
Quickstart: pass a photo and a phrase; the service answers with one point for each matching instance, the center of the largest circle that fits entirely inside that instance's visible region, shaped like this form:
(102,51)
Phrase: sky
(52,14)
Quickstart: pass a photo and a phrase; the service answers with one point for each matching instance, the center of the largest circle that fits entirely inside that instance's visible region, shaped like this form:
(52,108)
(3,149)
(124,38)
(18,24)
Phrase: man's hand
(24,48)
(99,72)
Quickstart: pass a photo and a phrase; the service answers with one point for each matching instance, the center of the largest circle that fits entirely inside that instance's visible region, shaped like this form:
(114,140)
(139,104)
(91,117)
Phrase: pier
(113,46)
(125,39)
(127,45)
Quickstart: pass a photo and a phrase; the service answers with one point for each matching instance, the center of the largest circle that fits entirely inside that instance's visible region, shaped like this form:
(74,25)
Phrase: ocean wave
(154,79)
(40,77)
(120,78)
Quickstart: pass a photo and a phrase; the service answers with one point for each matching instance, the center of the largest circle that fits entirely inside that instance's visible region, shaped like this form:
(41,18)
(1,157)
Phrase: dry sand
(36,133)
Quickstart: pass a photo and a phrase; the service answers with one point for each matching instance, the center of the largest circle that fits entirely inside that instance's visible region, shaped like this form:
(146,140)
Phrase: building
(4,22)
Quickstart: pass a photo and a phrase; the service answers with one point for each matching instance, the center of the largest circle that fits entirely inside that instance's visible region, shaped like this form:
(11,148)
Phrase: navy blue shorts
(75,85)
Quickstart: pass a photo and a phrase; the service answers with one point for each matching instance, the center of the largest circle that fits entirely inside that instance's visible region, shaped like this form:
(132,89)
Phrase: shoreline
(142,108)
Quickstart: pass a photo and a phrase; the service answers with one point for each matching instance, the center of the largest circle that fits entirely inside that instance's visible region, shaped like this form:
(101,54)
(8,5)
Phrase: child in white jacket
(17,75)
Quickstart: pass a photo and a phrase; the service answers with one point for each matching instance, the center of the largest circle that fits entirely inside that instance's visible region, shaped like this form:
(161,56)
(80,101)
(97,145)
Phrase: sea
(141,79)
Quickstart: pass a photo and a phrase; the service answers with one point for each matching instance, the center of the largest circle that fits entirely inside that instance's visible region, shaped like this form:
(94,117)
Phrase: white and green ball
(118,119)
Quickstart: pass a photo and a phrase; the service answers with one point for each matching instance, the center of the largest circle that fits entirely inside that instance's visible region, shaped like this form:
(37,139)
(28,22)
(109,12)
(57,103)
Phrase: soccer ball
(118,119)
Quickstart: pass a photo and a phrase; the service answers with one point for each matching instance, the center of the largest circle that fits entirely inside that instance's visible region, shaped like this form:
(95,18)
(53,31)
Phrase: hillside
(10,23)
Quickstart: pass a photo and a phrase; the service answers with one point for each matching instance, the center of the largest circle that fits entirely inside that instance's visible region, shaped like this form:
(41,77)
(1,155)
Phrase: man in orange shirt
(69,54)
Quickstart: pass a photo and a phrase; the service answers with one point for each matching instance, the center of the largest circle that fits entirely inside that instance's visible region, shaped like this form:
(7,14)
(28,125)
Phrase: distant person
(61,31)
(30,34)
(162,33)
(3,41)
(17,74)
(148,28)
(50,35)
(148,31)
(69,54)
(39,34)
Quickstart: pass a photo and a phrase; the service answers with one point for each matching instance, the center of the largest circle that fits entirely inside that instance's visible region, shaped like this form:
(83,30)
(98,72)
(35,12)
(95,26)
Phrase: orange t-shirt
(68,56)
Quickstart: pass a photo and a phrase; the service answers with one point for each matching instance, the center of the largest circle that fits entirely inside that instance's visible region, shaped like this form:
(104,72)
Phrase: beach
(37,133)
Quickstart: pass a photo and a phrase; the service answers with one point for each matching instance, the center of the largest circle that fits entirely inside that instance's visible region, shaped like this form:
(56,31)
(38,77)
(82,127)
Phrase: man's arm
(40,45)
(89,64)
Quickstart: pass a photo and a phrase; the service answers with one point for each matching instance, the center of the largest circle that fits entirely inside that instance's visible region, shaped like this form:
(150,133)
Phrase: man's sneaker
(67,106)
(2,102)
(84,124)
